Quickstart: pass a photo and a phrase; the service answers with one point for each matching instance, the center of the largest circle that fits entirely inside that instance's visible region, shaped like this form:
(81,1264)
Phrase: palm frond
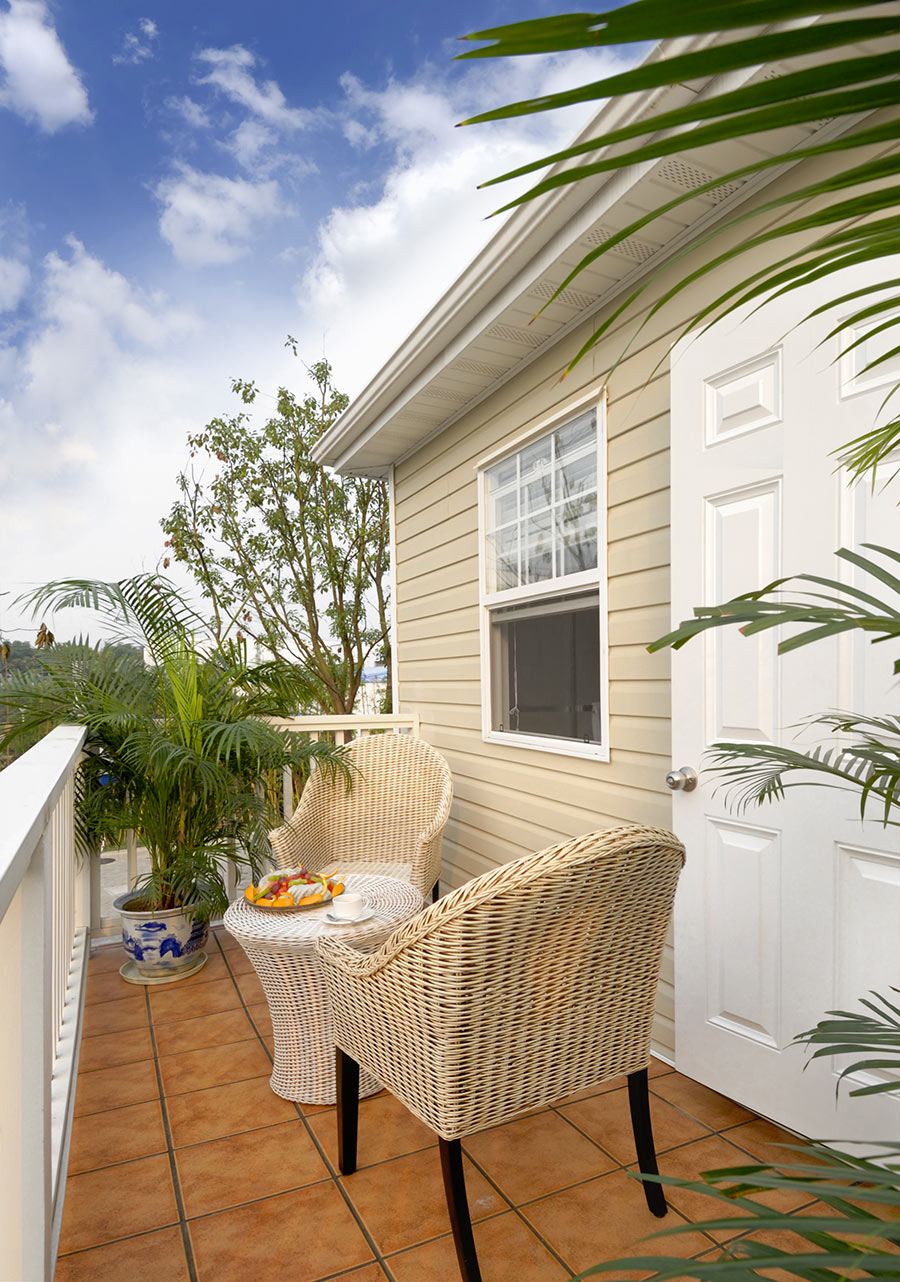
(856,1232)
(873,1033)
(846,607)
(177,750)
(751,774)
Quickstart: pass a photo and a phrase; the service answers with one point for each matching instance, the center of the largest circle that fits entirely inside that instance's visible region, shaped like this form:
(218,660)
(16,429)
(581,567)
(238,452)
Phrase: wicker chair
(389,821)
(524,986)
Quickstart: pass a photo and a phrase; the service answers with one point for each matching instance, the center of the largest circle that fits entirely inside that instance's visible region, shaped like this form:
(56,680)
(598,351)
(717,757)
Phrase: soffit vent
(637,250)
(773,74)
(571,297)
(445,394)
(512,334)
(466,365)
(688,177)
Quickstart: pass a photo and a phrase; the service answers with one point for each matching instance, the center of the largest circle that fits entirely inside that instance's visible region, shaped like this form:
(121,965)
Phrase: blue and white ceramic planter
(161,944)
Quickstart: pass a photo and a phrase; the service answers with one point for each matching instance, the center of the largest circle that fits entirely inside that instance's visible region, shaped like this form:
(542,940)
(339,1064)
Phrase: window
(543,547)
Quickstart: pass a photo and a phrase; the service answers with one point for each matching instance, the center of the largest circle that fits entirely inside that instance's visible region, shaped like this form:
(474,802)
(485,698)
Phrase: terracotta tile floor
(185,1165)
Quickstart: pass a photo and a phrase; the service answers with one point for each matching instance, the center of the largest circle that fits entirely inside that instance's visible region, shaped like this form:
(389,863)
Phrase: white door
(791,909)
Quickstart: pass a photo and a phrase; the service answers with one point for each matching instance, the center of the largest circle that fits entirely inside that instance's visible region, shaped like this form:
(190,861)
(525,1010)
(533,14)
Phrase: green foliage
(753,774)
(847,608)
(287,554)
(176,747)
(756,773)
(856,1232)
(874,1034)
(852,85)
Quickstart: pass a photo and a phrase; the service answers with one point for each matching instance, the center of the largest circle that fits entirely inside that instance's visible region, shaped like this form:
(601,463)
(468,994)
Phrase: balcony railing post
(38,1052)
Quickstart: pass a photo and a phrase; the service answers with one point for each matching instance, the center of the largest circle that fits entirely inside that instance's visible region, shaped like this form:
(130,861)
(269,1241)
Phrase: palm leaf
(846,607)
(848,1236)
(873,1033)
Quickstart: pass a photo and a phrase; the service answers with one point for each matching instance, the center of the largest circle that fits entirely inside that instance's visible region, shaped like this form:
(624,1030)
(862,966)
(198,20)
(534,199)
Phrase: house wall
(511,801)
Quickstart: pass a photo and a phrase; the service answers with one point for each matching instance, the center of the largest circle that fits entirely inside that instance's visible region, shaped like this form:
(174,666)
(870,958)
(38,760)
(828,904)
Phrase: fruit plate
(293,908)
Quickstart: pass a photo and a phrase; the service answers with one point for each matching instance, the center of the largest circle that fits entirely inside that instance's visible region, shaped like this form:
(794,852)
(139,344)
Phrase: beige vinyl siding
(510,800)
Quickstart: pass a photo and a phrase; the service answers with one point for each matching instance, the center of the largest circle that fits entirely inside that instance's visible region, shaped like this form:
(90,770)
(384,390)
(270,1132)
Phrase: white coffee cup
(347,906)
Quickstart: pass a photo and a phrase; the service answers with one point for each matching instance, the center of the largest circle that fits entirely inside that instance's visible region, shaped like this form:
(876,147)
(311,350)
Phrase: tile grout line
(173,1166)
(333,1175)
(724,1132)
(530,1227)
(619,1166)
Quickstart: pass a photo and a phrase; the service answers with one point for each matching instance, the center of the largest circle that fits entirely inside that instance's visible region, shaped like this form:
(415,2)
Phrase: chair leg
(347,1075)
(639,1102)
(435,892)
(458,1206)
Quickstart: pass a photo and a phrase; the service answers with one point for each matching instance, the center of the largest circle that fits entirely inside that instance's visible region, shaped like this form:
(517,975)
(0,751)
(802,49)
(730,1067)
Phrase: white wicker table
(282,950)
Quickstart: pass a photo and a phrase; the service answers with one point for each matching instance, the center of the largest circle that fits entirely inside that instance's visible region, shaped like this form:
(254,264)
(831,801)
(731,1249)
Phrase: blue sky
(185,184)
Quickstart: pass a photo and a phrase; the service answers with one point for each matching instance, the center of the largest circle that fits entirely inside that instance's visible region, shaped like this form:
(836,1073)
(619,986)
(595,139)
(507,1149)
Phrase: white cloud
(138,46)
(95,411)
(14,278)
(96,403)
(249,141)
(191,112)
(209,219)
(384,259)
(230,71)
(38,81)
(99,392)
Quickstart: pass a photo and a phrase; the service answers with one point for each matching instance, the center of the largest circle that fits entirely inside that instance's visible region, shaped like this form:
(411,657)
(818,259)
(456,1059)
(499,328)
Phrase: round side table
(282,951)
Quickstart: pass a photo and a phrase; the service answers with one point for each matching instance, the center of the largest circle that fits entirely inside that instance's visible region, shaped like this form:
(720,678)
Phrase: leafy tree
(293,556)
(21,659)
(849,219)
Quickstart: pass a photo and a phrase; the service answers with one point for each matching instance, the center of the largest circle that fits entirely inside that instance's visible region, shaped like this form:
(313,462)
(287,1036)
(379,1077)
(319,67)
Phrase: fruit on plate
(293,887)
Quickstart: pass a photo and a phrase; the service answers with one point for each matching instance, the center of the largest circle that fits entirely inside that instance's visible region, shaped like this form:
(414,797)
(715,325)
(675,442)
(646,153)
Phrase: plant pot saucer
(132,975)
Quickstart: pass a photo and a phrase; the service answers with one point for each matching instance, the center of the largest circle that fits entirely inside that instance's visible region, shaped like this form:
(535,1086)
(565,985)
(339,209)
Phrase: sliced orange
(338,889)
(312,899)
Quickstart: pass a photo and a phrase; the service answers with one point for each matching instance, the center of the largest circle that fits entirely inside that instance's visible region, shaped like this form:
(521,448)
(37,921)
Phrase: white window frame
(565,585)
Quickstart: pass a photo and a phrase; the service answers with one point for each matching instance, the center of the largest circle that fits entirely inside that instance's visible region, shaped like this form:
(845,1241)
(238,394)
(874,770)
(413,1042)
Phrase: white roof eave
(531,239)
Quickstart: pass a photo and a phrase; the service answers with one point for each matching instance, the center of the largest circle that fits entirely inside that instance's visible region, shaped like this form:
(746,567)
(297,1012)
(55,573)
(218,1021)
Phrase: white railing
(49,907)
(45,905)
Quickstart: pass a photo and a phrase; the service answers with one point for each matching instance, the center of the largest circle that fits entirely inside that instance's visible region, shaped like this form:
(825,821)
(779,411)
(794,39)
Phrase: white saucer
(350,921)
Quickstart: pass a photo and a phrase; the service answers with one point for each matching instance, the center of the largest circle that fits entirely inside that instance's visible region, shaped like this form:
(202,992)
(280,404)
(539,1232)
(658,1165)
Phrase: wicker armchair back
(389,820)
(524,986)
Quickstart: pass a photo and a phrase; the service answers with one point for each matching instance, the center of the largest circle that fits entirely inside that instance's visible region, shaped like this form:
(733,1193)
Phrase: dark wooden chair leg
(435,892)
(639,1101)
(347,1074)
(458,1206)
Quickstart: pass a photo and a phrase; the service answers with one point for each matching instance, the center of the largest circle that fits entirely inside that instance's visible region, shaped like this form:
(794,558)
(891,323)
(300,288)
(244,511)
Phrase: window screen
(545,665)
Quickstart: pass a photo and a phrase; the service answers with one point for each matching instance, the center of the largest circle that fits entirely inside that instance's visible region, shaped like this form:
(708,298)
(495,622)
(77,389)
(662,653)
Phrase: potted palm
(177,750)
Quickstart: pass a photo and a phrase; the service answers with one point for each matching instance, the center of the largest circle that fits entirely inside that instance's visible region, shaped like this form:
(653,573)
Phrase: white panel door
(791,909)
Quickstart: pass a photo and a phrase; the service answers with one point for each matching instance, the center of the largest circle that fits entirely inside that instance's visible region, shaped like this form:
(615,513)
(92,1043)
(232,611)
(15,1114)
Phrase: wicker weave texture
(524,986)
(283,954)
(390,821)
